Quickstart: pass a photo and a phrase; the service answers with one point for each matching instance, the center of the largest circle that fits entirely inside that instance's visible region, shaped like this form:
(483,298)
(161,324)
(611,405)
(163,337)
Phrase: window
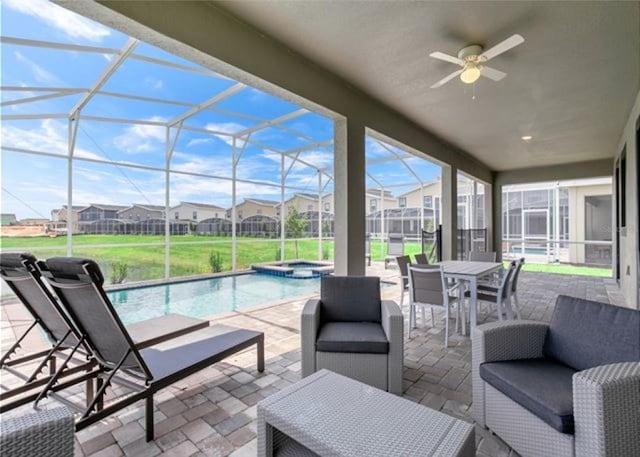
(309,207)
(194,215)
(402,202)
(177,215)
(428,201)
(327,206)
(373,205)
(258,211)
(215,215)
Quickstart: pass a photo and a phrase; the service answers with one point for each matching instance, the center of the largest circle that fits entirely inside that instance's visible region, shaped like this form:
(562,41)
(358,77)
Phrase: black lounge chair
(22,274)
(78,284)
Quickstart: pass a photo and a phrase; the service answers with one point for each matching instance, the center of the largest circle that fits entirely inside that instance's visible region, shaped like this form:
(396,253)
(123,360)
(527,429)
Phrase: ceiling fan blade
(446,79)
(492,73)
(499,48)
(447,58)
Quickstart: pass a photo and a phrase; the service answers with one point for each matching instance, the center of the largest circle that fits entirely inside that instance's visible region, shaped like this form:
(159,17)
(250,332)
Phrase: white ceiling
(571,85)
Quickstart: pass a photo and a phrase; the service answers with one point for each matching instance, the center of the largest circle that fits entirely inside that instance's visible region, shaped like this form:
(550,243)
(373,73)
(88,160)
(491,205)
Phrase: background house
(138,212)
(196,211)
(97,211)
(60,217)
(8,219)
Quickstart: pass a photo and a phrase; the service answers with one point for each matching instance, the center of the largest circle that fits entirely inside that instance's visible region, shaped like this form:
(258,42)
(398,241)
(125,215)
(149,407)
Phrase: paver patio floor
(213,412)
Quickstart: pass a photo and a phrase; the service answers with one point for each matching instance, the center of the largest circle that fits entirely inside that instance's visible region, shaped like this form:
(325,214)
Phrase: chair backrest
(427,284)
(78,283)
(585,334)
(367,244)
(21,273)
(421,259)
(395,245)
(350,299)
(516,274)
(482,256)
(503,288)
(403,262)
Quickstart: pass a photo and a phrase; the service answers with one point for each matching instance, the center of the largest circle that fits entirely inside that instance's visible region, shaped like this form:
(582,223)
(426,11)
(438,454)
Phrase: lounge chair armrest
(498,341)
(606,405)
(47,431)
(309,324)
(393,326)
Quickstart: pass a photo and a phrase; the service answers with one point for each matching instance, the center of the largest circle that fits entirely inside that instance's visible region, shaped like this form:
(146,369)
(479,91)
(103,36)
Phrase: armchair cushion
(350,299)
(353,337)
(585,334)
(542,386)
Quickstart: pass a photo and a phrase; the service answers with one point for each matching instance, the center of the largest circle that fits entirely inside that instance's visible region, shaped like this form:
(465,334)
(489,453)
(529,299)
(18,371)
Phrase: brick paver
(213,412)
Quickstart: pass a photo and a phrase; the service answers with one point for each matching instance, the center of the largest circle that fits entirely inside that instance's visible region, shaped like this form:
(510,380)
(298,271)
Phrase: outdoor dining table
(469,272)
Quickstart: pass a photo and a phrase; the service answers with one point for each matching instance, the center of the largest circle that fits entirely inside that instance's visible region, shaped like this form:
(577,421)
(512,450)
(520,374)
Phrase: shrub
(215,262)
(119,272)
(325,252)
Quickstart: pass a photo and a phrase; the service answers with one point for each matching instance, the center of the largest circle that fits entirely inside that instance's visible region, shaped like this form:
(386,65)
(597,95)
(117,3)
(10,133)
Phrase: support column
(282,209)
(349,166)
(167,226)
(71,140)
(319,215)
(497,219)
(488,215)
(383,251)
(449,213)
(234,164)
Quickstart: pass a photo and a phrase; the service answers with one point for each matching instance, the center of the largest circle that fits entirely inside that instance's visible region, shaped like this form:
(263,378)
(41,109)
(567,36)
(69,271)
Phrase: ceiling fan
(472,59)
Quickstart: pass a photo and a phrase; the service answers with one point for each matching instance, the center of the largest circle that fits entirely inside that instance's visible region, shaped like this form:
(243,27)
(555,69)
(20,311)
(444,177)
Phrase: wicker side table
(327,414)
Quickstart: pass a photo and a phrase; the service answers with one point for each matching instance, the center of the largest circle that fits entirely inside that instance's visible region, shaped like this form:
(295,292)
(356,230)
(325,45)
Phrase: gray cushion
(585,334)
(350,299)
(542,386)
(358,337)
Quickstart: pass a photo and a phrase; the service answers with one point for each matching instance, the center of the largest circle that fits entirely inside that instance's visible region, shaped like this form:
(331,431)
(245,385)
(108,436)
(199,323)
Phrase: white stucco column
(488,214)
(349,197)
(449,212)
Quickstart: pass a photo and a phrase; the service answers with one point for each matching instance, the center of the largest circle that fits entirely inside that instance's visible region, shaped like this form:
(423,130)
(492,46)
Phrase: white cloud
(153,83)
(142,138)
(71,24)
(50,136)
(40,74)
(199,141)
(225,127)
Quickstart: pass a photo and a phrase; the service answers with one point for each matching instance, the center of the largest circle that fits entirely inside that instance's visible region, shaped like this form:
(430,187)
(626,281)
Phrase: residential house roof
(104,207)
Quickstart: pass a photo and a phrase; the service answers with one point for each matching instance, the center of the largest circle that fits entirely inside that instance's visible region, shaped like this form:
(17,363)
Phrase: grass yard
(190,254)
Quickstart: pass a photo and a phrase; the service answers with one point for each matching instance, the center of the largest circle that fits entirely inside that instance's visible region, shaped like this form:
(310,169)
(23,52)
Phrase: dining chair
(513,289)
(428,289)
(482,256)
(501,298)
(403,263)
(421,259)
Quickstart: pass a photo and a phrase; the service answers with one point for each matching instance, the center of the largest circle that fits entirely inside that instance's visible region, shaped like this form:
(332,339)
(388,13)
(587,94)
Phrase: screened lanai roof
(72,85)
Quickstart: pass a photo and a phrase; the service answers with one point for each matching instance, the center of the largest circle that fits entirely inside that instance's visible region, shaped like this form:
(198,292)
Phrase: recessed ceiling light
(527,137)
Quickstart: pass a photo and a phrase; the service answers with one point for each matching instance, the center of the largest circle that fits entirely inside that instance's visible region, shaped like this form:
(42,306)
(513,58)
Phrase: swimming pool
(206,297)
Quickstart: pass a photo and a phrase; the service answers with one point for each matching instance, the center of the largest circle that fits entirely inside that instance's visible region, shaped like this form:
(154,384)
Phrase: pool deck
(213,412)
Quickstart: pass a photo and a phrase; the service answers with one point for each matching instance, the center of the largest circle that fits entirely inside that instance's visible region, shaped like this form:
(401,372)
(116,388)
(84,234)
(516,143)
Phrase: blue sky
(37,184)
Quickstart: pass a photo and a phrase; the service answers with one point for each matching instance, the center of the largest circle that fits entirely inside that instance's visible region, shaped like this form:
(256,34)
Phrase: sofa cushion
(358,337)
(585,334)
(350,299)
(542,386)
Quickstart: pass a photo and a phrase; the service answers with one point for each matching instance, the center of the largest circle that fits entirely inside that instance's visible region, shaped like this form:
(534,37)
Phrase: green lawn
(189,258)
(566,269)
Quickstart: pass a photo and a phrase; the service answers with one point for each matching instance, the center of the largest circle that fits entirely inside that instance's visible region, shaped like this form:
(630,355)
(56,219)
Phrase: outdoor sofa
(568,388)
(351,331)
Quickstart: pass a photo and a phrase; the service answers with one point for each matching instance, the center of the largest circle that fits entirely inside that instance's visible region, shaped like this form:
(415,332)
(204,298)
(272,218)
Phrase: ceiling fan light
(470,74)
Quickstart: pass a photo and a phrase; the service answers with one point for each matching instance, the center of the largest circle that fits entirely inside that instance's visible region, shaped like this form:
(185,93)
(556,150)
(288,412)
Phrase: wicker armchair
(568,388)
(350,331)
(46,433)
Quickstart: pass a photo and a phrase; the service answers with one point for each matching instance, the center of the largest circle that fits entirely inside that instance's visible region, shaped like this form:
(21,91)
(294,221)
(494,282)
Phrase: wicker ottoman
(327,414)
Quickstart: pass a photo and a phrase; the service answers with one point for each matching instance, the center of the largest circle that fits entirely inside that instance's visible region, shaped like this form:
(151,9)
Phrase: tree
(296,225)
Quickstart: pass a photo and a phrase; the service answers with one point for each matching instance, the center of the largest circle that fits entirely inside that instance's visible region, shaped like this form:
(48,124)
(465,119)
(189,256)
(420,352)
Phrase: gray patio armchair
(395,248)
(403,267)
(45,433)
(567,388)
(482,256)
(351,331)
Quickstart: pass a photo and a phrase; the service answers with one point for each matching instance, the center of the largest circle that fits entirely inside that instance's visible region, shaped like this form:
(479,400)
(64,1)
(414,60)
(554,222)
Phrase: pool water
(206,297)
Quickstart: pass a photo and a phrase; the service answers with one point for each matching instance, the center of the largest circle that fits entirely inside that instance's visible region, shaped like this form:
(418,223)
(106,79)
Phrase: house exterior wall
(92,213)
(577,218)
(629,243)
(140,213)
(414,197)
(185,211)
(250,208)
(301,204)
